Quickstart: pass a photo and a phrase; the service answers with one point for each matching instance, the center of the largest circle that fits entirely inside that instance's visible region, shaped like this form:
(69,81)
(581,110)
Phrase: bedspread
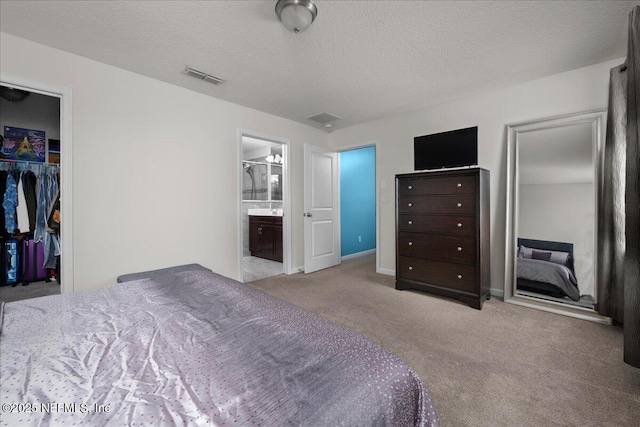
(195,348)
(549,272)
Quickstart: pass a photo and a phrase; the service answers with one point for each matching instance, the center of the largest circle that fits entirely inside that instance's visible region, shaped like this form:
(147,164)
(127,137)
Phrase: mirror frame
(597,119)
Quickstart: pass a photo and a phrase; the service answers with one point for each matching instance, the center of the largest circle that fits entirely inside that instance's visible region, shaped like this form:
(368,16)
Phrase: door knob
(308,214)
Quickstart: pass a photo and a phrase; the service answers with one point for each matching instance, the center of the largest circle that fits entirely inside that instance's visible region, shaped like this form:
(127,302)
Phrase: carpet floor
(504,365)
(32,290)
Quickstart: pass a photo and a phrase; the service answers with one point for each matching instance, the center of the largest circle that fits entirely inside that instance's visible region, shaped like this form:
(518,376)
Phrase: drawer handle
(409,204)
(410,268)
(410,187)
(410,222)
(459,276)
(459,205)
(410,243)
(459,249)
(459,185)
(459,224)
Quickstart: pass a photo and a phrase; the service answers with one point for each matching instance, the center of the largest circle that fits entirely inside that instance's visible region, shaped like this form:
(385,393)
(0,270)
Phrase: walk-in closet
(30,214)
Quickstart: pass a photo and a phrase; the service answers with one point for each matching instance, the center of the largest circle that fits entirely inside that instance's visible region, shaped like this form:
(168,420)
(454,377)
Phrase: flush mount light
(203,76)
(12,94)
(296,15)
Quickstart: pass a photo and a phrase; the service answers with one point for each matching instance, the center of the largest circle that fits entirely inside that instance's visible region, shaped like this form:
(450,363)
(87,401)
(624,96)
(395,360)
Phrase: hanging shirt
(9,203)
(3,187)
(41,209)
(21,209)
(29,185)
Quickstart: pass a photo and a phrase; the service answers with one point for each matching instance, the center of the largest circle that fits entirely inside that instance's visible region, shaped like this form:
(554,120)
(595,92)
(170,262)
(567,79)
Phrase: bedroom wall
(150,189)
(549,221)
(573,91)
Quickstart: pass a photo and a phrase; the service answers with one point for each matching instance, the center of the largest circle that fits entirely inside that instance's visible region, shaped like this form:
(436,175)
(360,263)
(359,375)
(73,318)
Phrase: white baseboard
(358,254)
(497,292)
(386,271)
(295,270)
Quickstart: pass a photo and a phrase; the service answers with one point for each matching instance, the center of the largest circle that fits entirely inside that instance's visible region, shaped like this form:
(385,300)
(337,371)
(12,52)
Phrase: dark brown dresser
(442,233)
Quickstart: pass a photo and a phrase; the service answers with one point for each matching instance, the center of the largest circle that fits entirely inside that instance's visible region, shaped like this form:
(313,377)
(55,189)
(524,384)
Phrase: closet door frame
(66,177)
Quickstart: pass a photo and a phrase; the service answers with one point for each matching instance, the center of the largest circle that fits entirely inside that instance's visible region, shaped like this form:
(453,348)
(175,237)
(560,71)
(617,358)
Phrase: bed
(191,347)
(547,267)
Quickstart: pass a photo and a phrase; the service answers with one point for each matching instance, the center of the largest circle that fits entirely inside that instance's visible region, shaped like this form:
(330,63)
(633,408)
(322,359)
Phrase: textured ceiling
(360,60)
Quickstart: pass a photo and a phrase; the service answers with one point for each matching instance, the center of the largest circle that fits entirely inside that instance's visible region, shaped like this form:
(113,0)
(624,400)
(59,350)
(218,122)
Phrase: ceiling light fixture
(12,94)
(271,158)
(203,76)
(296,15)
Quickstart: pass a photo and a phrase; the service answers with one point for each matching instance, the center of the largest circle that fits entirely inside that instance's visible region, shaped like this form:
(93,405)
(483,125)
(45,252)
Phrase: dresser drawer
(463,204)
(437,185)
(457,276)
(438,247)
(457,225)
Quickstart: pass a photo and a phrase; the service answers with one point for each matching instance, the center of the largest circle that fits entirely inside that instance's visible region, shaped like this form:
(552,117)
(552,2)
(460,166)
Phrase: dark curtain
(619,205)
(632,199)
(611,215)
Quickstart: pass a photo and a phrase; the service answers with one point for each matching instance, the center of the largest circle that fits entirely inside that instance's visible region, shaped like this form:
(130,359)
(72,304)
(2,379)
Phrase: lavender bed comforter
(195,348)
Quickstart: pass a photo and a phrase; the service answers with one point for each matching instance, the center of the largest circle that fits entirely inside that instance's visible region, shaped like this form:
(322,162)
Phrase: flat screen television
(451,149)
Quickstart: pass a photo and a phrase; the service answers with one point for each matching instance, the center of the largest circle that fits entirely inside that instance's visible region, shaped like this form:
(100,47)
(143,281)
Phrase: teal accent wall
(358,200)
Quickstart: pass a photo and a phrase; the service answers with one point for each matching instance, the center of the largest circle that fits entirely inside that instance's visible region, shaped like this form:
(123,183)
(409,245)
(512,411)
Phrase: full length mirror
(553,182)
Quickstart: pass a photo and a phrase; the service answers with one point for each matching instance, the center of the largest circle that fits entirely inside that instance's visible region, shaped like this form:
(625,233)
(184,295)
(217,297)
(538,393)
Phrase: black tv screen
(446,150)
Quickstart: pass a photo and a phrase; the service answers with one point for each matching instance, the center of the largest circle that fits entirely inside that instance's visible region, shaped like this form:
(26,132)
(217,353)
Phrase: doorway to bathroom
(264,219)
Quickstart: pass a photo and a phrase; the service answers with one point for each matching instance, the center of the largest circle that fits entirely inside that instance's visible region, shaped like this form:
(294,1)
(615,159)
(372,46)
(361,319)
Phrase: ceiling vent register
(203,76)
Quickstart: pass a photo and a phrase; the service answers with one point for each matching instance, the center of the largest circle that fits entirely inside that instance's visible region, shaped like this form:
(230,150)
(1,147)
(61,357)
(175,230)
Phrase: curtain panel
(632,198)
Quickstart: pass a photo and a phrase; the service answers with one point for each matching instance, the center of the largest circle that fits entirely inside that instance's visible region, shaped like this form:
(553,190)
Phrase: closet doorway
(264,208)
(35,175)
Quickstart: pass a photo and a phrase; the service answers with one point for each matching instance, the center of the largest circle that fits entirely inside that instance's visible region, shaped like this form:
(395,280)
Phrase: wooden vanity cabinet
(265,237)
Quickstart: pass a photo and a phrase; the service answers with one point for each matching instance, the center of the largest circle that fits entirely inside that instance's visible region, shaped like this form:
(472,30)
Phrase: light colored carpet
(505,365)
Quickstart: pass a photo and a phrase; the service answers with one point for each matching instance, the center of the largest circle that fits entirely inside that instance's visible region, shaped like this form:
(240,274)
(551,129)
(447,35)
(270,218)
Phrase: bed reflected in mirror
(553,172)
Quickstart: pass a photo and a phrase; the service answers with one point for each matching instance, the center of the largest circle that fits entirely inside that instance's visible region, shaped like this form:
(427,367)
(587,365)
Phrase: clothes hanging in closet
(30,193)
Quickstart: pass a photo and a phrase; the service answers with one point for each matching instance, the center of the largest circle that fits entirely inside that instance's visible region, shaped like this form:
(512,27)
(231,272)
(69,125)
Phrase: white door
(321,209)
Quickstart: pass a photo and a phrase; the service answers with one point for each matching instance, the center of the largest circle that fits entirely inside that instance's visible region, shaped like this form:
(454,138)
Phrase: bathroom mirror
(553,180)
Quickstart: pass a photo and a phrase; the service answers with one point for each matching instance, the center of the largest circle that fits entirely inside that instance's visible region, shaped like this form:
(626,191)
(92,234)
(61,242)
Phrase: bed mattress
(195,348)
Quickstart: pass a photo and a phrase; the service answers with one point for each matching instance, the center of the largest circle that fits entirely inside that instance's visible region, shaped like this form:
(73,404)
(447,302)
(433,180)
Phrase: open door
(321,209)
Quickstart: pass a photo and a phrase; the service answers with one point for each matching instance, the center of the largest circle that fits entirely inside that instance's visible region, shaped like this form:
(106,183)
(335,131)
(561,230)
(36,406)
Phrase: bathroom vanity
(265,234)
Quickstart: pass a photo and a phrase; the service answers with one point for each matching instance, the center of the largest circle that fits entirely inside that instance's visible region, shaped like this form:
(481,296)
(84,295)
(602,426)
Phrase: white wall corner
(497,292)
(386,271)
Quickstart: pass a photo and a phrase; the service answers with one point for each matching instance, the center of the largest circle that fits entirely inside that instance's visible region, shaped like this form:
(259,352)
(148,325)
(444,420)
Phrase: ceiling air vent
(203,76)
(323,118)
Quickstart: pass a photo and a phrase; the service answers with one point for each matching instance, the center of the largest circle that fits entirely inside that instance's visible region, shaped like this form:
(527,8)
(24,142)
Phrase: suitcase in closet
(11,261)
(32,260)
